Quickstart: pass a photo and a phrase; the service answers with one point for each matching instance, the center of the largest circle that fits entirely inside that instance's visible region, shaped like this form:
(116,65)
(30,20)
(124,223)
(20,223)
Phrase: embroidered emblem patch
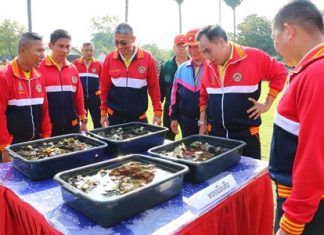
(74,79)
(94,70)
(237,77)
(39,88)
(20,87)
(141,69)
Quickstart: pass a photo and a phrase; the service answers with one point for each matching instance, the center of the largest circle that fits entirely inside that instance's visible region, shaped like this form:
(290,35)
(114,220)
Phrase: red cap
(191,37)
(179,39)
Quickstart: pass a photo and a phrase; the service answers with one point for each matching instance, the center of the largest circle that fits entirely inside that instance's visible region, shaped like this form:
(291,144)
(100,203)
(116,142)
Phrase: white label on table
(211,193)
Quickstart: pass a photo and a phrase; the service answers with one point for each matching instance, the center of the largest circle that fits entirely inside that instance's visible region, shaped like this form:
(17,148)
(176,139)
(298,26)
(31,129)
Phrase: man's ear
(50,45)
(290,30)
(133,39)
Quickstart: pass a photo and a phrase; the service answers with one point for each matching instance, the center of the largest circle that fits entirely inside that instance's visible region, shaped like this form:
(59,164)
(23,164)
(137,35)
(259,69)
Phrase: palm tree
(126,10)
(29,15)
(180,17)
(233,4)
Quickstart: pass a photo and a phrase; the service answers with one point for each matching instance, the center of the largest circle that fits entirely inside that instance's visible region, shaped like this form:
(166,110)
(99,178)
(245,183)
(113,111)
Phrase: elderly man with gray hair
(128,73)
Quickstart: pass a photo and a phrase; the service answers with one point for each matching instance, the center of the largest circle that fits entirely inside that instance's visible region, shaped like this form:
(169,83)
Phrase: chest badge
(141,69)
(237,77)
(94,70)
(20,88)
(39,88)
(74,79)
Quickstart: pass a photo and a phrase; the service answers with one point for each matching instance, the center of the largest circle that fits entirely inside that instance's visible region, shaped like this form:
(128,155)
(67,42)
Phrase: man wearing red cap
(231,88)
(184,108)
(167,76)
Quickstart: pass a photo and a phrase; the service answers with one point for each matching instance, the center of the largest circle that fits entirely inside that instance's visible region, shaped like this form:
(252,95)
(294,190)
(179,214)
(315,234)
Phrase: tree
(255,31)
(233,4)
(180,15)
(103,36)
(10,33)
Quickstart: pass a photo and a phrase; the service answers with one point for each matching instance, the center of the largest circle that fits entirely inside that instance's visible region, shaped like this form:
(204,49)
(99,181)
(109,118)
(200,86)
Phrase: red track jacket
(226,105)
(64,93)
(297,148)
(90,77)
(23,106)
(124,90)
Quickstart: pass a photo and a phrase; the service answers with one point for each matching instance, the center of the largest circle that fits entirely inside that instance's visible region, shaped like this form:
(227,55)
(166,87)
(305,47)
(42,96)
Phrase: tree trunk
(29,15)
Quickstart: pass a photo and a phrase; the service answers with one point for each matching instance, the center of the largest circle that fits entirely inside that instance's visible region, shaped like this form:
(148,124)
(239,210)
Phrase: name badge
(212,193)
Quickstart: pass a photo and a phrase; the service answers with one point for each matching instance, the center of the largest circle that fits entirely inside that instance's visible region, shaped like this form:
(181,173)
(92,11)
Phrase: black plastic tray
(132,145)
(201,171)
(110,211)
(48,167)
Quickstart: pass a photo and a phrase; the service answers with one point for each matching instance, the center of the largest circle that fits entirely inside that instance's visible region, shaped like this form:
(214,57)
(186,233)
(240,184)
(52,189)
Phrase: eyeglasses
(123,43)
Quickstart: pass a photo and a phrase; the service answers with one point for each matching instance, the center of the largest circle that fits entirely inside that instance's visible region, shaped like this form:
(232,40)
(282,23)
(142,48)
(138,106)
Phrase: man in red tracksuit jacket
(89,71)
(63,87)
(127,74)
(297,148)
(23,101)
(231,88)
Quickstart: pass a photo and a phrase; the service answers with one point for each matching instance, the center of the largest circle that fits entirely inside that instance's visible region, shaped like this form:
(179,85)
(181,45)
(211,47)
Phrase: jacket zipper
(87,83)
(31,108)
(222,102)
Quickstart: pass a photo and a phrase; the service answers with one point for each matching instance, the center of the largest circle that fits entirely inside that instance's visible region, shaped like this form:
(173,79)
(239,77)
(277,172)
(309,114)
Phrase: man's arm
(4,98)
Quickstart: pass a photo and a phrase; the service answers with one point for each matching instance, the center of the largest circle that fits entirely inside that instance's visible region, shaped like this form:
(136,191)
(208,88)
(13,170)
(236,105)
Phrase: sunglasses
(122,42)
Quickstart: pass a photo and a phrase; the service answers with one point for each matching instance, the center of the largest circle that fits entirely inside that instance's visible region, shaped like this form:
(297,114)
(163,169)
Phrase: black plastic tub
(137,144)
(107,211)
(48,167)
(203,170)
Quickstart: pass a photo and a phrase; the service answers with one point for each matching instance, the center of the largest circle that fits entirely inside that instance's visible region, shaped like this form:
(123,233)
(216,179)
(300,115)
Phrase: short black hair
(27,37)
(211,32)
(58,34)
(85,44)
(301,12)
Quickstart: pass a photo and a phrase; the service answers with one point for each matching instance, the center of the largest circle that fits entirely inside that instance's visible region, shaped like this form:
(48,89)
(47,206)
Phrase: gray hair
(124,28)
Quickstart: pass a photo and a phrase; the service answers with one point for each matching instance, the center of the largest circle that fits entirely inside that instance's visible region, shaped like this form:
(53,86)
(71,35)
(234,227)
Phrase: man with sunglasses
(128,73)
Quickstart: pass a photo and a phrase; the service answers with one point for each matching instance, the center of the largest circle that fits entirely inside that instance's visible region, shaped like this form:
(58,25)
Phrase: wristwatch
(200,123)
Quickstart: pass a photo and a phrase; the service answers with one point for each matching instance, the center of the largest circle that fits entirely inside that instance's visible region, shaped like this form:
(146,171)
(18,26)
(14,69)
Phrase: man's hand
(257,109)
(174,127)
(83,127)
(104,121)
(203,129)
(157,120)
(281,232)
(5,156)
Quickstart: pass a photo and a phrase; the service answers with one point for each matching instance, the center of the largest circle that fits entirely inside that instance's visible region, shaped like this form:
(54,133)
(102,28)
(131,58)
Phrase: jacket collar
(18,72)
(139,53)
(314,54)
(81,60)
(238,53)
(48,62)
